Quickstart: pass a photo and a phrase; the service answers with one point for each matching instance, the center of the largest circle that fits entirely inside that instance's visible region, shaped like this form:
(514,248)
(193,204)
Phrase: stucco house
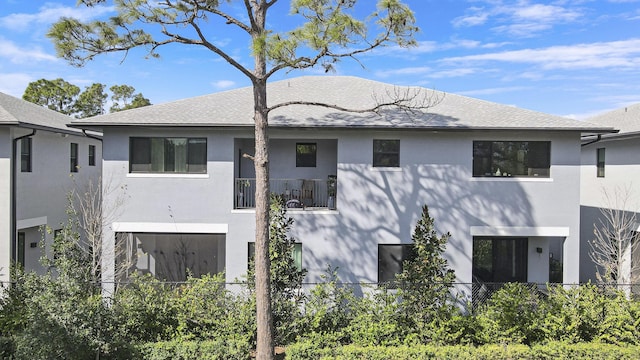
(503,181)
(610,180)
(41,160)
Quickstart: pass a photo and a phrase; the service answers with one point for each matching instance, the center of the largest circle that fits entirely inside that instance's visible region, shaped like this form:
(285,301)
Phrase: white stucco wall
(375,206)
(5,202)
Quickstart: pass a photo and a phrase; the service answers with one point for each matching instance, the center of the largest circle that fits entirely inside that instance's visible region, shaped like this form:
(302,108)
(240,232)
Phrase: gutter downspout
(14,187)
(598,138)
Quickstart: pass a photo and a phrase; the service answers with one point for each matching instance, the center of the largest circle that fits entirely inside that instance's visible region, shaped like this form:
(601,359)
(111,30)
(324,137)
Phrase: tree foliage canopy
(62,96)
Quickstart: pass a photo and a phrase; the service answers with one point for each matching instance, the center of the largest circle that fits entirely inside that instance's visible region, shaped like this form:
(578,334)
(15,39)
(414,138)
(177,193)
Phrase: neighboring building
(502,180)
(610,179)
(41,160)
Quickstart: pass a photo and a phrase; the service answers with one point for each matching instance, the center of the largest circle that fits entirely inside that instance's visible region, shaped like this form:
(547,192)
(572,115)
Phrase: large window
(386,153)
(167,155)
(25,154)
(73,158)
(92,155)
(499,260)
(600,159)
(511,158)
(170,257)
(391,259)
(306,154)
(296,254)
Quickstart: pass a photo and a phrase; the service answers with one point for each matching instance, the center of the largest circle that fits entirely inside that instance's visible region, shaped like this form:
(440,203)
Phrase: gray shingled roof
(626,119)
(235,108)
(18,112)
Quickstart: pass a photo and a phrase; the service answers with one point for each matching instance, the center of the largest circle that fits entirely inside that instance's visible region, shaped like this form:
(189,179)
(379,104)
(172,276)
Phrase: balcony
(297,193)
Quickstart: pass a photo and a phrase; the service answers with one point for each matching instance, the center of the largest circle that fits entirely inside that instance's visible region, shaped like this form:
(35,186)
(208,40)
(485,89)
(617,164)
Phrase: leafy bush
(216,349)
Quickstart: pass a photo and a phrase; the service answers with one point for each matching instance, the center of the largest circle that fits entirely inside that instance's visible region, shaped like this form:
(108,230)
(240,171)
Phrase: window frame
(499,158)
(26,154)
(73,157)
(386,158)
(166,152)
(304,159)
(600,162)
(92,155)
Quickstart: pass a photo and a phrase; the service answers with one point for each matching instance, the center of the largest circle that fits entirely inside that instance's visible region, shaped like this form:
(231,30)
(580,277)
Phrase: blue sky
(573,58)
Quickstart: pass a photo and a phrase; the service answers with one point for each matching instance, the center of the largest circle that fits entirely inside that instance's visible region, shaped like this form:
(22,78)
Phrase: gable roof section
(18,112)
(626,119)
(235,108)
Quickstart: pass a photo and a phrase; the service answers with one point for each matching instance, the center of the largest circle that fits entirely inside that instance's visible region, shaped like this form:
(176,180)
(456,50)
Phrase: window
(391,259)
(386,153)
(25,155)
(600,159)
(306,154)
(92,155)
(171,257)
(296,254)
(498,260)
(511,158)
(167,155)
(74,157)
(21,243)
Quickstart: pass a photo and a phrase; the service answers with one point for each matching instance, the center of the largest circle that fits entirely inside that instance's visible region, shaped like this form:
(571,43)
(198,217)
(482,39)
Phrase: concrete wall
(5,202)
(375,206)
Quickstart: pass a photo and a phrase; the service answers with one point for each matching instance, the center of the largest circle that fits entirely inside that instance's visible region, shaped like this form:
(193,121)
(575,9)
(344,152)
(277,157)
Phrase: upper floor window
(306,154)
(600,160)
(167,155)
(25,154)
(74,157)
(511,158)
(386,153)
(92,155)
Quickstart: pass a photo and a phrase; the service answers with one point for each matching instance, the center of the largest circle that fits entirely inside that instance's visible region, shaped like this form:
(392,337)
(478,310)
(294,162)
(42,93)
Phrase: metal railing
(297,193)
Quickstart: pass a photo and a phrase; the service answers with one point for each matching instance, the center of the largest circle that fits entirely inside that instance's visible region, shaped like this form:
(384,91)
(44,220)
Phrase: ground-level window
(500,260)
(21,248)
(296,254)
(25,154)
(600,160)
(391,258)
(386,153)
(167,155)
(306,154)
(171,257)
(73,158)
(511,158)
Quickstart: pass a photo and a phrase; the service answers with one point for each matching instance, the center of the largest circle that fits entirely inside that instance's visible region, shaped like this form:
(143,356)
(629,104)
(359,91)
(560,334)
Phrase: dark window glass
(21,247)
(600,162)
(92,155)
(386,153)
(74,158)
(168,155)
(25,154)
(391,259)
(511,158)
(306,155)
(296,254)
(500,260)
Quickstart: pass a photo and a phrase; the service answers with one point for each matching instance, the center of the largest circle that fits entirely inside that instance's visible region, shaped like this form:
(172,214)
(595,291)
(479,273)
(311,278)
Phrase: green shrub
(218,349)
(376,319)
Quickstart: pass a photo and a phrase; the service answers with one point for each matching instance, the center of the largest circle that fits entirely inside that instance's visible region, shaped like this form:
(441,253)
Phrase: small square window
(391,259)
(306,154)
(92,155)
(386,153)
(601,162)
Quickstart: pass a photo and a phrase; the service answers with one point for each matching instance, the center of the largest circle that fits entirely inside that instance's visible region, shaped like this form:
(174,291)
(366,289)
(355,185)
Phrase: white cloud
(223,84)
(418,70)
(619,54)
(15,54)
(491,91)
(50,13)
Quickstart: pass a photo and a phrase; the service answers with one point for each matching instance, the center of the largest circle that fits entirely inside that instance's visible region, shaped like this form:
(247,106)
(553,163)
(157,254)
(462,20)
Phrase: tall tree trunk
(264,317)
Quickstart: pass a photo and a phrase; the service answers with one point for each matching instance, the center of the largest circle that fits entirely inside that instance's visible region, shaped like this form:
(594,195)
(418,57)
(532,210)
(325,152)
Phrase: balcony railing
(297,193)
